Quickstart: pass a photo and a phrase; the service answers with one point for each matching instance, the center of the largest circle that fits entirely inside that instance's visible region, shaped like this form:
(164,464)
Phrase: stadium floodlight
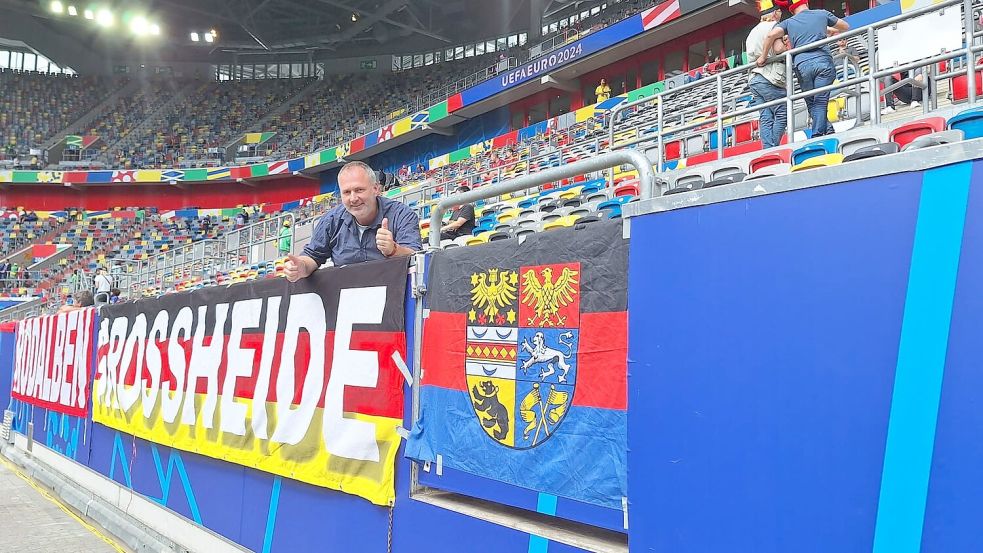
(57,7)
(195,37)
(209,37)
(138,25)
(154,29)
(89,14)
(72,10)
(354,17)
(105,18)
(214,33)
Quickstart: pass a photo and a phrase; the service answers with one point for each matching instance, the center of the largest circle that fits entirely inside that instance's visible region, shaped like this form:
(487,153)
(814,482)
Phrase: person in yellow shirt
(603,91)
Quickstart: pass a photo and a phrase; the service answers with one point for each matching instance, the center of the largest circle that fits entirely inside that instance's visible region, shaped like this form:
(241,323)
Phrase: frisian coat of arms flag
(525,363)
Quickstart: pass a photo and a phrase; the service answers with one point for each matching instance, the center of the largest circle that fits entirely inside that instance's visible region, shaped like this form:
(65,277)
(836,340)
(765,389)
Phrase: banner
(525,363)
(53,361)
(300,380)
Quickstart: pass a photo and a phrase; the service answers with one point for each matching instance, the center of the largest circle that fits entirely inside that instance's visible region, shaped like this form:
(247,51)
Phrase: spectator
(285,242)
(603,91)
(365,227)
(815,66)
(103,286)
(4,273)
(767,83)
(461,222)
(81,299)
(909,93)
(845,51)
(74,280)
(114,296)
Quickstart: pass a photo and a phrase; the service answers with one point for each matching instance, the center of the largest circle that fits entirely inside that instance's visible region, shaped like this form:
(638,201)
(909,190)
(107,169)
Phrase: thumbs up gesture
(296,268)
(384,239)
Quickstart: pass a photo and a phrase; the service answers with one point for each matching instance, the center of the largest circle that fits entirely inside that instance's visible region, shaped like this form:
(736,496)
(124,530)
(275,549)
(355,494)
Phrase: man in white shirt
(103,285)
(768,83)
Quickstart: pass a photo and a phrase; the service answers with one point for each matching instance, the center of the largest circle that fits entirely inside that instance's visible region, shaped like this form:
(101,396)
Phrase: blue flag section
(525,364)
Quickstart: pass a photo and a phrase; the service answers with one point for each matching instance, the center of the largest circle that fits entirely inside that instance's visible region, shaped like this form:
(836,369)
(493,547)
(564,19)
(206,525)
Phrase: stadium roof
(326,27)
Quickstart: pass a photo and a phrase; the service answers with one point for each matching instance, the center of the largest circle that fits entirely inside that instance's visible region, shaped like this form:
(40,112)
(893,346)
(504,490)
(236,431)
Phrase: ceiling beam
(382,15)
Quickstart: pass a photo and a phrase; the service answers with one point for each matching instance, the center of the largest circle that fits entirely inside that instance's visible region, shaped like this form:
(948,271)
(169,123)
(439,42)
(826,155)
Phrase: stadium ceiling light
(57,7)
(209,38)
(105,18)
(88,14)
(72,10)
(354,17)
(154,29)
(195,37)
(139,25)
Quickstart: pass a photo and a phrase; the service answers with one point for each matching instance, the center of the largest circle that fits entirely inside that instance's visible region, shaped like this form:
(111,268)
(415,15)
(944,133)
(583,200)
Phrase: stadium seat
(874,150)
(771,158)
(691,179)
(904,134)
(724,171)
(775,170)
(611,209)
(824,160)
(860,140)
(970,122)
(729,178)
(934,139)
(560,222)
(960,89)
(814,149)
(498,235)
(626,190)
(587,219)
(523,232)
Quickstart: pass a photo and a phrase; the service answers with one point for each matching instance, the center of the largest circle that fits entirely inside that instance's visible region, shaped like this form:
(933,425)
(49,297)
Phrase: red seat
(769,159)
(744,132)
(673,150)
(626,190)
(960,85)
(910,131)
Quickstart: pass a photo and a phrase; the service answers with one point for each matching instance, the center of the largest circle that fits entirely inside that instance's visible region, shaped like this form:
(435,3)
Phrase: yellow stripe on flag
(402,126)
(148,175)
(584,114)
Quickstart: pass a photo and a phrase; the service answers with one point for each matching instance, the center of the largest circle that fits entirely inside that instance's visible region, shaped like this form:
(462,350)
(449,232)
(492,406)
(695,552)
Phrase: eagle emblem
(547,297)
(492,294)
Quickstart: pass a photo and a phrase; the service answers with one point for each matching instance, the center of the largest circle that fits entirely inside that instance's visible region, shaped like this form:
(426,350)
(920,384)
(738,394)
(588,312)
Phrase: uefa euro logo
(521,357)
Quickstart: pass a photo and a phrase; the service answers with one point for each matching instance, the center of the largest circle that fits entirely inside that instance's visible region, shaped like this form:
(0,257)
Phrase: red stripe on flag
(660,14)
(356,145)
(444,339)
(602,361)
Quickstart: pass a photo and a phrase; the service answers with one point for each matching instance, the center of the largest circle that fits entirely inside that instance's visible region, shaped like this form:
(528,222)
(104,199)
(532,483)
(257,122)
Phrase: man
(603,91)
(461,222)
(365,227)
(908,93)
(285,239)
(103,285)
(767,83)
(814,67)
(845,51)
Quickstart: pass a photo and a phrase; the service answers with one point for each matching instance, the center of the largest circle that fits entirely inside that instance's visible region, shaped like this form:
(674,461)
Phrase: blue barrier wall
(803,376)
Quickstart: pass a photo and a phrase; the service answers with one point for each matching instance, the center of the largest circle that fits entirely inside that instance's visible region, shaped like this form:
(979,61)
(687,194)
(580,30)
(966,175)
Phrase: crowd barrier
(756,367)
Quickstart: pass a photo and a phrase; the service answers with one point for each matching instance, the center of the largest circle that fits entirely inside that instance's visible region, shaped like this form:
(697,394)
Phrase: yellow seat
(479,239)
(507,215)
(819,161)
(565,221)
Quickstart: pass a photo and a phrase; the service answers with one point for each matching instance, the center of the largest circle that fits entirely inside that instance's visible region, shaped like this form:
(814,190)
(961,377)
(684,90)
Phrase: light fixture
(195,37)
(57,7)
(155,29)
(354,17)
(72,10)
(88,14)
(209,38)
(138,25)
(214,33)
(105,18)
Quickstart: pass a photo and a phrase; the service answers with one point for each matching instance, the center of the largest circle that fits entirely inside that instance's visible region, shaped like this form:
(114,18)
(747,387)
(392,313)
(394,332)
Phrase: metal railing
(168,268)
(664,129)
(646,182)
(257,242)
(31,308)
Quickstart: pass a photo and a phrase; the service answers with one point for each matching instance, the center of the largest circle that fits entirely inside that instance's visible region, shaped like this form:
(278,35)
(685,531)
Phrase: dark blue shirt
(807,27)
(336,234)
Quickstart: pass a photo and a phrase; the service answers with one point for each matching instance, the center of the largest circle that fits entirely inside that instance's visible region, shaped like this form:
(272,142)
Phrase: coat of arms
(521,356)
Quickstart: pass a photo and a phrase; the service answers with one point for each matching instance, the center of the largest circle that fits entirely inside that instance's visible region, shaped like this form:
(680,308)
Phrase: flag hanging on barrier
(525,363)
(53,361)
(300,380)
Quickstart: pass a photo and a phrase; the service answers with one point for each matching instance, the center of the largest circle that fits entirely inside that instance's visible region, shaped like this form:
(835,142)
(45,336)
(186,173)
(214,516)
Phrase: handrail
(871,77)
(646,178)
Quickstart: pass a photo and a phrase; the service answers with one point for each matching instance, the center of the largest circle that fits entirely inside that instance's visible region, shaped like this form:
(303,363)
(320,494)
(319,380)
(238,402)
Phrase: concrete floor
(30,522)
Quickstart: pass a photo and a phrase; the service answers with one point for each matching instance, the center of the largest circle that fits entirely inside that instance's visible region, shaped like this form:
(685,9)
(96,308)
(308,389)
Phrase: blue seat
(611,208)
(529,202)
(814,149)
(970,122)
(728,134)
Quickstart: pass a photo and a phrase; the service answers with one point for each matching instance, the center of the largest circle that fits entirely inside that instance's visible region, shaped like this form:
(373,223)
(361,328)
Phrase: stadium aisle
(31,519)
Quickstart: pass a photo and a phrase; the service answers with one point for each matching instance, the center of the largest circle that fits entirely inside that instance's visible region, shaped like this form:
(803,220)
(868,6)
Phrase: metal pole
(789,89)
(660,121)
(646,178)
(875,95)
(720,117)
(970,56)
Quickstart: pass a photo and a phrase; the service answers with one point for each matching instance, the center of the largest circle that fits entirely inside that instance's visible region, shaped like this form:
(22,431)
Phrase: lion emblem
(540,353)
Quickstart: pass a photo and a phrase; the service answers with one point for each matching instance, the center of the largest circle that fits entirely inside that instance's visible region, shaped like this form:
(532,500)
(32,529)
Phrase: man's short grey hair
(356,165)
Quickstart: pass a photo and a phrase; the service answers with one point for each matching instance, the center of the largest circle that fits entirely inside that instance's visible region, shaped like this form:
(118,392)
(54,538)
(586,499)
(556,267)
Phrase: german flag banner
(53,361)
(525,363)
(300,380)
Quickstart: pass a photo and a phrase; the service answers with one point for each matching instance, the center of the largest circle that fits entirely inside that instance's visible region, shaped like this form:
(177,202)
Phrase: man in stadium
(603,91)
(814,67)
(768,83)
(365,227)
(461,222)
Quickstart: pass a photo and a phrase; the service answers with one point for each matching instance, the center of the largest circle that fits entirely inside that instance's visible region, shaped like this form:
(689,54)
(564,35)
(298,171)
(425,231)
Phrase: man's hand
(296,268)
(761,61)
(384,239)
